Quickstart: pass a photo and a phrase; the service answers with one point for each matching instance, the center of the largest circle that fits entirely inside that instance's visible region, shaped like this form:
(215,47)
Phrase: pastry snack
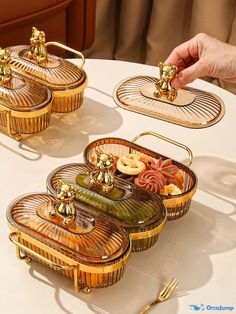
(170,189)
(130,164)
(157,176)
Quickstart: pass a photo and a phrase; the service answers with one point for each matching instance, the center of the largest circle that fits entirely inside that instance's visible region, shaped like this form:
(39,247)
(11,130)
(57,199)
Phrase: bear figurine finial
(38,49)
(163,85)
(103,177)
(5,70)
(64,205)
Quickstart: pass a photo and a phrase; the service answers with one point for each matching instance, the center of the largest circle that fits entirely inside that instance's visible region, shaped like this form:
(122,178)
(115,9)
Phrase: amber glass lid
(56,73)
(134,207)
(96,240)
(21,94)
(193,108)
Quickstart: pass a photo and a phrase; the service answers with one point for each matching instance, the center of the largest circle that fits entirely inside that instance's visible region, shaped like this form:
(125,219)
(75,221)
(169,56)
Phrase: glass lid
(130,205)
(17,92)
(35,62)
(67,227)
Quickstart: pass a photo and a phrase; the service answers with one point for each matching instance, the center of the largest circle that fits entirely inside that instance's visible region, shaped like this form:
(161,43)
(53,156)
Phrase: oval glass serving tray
(66,80)
(177,205)
(192,108)
(87,248)
(97,240)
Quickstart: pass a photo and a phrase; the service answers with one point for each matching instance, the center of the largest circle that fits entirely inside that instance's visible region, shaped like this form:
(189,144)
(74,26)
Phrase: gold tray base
(84,279)
(17,126)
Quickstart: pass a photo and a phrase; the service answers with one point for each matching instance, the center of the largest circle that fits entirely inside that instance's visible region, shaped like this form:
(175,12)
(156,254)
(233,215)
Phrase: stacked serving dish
(92,246)
(94,214)
(34,83)
(91,250)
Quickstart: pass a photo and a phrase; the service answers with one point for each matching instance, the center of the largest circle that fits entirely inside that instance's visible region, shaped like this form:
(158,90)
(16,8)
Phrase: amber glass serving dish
(192,108)
(25,105)
(177,205)
(69,238)
(142,214)
(66,80)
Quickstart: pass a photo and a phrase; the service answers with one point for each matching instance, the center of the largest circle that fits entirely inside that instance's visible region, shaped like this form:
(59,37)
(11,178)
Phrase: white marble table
(198,249)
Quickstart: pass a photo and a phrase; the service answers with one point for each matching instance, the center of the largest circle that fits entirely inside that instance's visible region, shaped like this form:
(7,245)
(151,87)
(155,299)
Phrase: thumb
(189,74)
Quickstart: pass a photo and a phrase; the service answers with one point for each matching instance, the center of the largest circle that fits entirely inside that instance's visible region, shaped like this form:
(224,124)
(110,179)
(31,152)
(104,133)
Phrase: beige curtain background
(146,31)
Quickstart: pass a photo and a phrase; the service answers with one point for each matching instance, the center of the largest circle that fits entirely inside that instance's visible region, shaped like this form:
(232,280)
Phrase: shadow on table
(184,246)
(28,153)
(125,297)
(216,176)
(68,133)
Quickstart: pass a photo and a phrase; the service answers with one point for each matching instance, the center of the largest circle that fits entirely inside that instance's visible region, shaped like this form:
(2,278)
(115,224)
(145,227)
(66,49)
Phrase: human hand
(203,55)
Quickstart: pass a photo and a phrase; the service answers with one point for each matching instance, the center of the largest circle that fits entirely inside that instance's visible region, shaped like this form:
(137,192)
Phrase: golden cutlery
(163,295)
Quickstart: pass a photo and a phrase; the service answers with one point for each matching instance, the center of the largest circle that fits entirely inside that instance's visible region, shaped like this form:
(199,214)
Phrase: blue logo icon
(197,307)
(203,307)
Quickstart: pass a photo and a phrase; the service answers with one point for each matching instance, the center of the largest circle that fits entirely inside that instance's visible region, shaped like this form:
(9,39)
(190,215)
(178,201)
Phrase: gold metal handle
(54,43)
(15,237)
(167,140)
(11,133)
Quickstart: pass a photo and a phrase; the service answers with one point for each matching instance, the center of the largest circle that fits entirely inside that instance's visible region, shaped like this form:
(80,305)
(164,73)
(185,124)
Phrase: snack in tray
(170,189)
(160,174)
(157,176)
(130,164)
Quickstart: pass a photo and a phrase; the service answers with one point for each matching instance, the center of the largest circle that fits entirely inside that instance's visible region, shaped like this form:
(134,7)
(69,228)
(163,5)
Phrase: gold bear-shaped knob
(5,70)
(65,206)
(103,177)
(163,85)
(38,49)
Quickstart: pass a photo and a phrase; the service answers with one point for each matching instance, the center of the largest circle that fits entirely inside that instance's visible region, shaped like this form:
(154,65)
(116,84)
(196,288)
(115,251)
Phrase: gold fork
(163,295)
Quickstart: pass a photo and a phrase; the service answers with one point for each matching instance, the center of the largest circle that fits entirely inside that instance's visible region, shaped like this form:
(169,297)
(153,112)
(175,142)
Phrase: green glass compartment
(141,213)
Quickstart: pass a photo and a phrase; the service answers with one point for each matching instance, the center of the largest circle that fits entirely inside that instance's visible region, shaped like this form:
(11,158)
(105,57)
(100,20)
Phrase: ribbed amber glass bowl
(94,257)
(25,106)
(65,80)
